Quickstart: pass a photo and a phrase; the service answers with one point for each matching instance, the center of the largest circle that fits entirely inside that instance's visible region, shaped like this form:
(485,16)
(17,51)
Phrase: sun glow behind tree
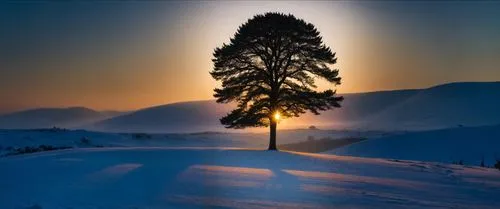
(270,69)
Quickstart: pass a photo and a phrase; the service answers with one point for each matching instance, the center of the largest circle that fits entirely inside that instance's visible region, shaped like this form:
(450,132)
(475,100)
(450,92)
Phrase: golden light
(277,116)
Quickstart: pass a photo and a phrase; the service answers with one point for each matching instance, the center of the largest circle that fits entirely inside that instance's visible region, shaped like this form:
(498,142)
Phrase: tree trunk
(272,136)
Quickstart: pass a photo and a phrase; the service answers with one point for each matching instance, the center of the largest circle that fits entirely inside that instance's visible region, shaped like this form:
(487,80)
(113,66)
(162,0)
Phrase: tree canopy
(271,66)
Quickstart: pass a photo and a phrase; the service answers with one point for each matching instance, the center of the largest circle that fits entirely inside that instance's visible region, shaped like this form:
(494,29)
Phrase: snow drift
(468,144)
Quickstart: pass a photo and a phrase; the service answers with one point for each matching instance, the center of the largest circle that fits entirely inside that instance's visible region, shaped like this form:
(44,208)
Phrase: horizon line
(207,100)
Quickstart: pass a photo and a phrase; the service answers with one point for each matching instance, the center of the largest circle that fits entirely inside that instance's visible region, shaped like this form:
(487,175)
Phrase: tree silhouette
(269,67)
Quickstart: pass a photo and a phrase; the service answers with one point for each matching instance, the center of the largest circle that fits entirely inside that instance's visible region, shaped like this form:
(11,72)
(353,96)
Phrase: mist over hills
(442,106)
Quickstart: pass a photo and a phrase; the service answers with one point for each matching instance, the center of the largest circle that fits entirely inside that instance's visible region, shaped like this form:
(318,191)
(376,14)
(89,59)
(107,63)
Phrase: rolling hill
(468,144)
(180,117)
(49,117)
(449,105)
(442,106)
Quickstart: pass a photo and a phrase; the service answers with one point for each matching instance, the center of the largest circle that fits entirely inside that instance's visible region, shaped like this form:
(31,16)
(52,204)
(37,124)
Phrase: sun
(277,116)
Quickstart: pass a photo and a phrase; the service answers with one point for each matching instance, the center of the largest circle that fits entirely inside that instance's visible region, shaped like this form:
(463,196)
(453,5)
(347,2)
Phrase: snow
(442,106)
(469,144)
(215,169)
(73,138)
(236,178)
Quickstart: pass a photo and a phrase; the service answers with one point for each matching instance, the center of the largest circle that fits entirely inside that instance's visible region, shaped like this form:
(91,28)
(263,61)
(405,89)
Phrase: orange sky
(125,57)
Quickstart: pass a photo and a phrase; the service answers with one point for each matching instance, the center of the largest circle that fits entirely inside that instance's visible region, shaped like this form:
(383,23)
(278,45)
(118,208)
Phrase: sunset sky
(125,56)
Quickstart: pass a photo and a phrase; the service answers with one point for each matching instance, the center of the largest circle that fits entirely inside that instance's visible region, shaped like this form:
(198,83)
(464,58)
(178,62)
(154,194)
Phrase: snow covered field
(226,170)
(468,144)
(236,178)
(11,139)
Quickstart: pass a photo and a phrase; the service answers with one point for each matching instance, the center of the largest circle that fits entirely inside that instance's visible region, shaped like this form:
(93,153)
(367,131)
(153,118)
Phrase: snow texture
(236,178)
(468,144)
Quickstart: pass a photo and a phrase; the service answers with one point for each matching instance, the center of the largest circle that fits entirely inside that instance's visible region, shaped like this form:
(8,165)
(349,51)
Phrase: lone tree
(269,68)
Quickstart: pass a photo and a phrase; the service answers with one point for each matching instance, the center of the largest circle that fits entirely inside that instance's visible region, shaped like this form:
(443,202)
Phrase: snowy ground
(11,139)
(236,178)
(468,144)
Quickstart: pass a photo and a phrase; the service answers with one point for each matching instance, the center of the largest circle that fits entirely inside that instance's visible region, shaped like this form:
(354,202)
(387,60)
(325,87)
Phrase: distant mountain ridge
(448,105)
(194,116)
(441,106)
(70,117)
